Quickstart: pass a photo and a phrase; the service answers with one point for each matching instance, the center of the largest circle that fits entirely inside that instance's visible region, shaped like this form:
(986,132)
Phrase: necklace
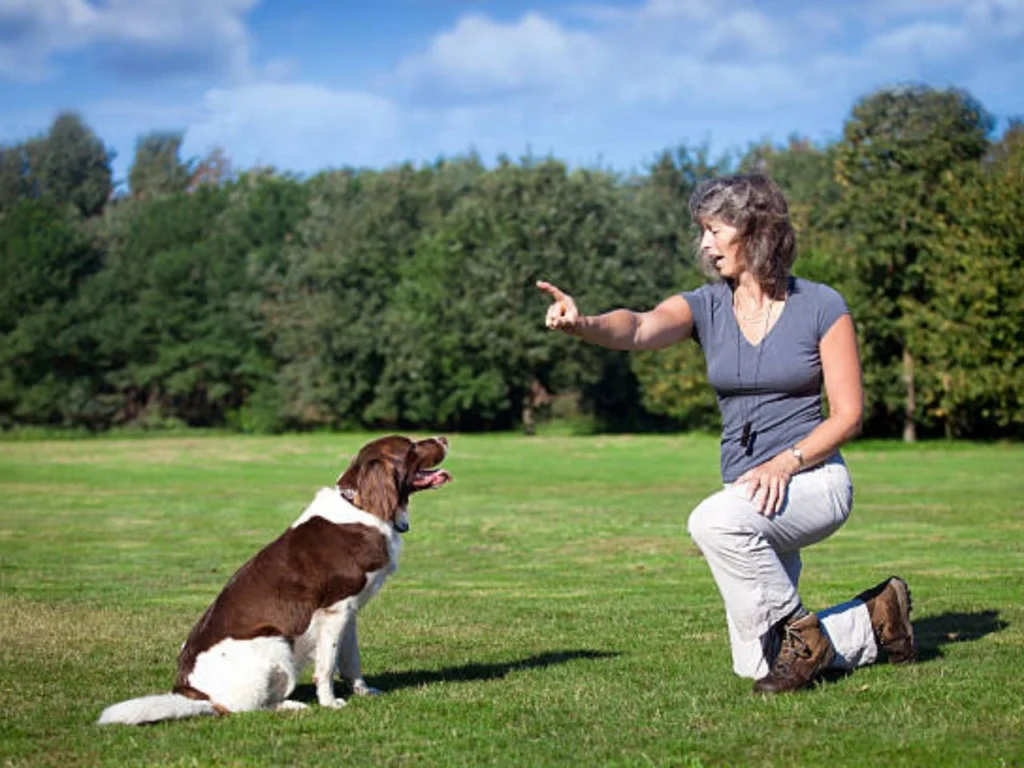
(747,436)
(761,312)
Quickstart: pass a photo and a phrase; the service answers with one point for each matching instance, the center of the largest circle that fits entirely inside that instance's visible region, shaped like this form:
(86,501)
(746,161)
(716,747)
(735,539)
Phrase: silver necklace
(750,318)
(748,422)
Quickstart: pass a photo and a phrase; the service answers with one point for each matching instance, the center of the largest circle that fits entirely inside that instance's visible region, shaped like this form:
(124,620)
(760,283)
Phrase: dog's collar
(350,495)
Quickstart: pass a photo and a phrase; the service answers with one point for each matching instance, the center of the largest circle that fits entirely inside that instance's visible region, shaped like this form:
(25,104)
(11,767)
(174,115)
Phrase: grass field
(550,608)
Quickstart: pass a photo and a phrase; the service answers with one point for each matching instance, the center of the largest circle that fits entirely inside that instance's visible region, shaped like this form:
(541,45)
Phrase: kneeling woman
(770,340)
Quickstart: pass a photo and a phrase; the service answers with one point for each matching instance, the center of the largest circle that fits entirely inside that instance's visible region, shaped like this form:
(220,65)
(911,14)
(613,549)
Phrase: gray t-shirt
(776,385)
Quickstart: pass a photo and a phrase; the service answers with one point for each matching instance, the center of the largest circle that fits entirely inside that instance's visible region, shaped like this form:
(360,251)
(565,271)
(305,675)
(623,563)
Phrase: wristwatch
(798,454)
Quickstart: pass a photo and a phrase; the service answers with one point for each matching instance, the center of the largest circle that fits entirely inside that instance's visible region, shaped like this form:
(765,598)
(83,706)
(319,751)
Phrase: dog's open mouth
(430,478)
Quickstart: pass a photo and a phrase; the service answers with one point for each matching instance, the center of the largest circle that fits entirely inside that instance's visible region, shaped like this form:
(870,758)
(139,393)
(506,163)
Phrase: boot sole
(906,604)
(824,664)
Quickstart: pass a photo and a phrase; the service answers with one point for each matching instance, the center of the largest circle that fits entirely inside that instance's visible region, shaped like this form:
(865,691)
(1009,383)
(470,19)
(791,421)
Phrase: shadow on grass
(934,632)
(931,633)
(393,681)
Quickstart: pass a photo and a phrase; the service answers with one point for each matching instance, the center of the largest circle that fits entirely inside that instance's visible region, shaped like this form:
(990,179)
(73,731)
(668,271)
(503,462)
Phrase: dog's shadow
(394,681)
(933,632)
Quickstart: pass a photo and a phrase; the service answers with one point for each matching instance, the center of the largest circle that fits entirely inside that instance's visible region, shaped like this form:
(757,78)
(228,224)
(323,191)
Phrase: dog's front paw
(325,693)
(290,705)
(360,688)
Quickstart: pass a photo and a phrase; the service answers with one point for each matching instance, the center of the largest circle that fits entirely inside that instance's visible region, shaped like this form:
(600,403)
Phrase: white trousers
(755,561)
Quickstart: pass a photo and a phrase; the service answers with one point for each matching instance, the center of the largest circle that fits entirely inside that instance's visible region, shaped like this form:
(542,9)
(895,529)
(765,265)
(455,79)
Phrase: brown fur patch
(276,593)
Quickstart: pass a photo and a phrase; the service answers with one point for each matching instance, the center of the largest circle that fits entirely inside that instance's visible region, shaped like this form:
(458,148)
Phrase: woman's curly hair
(756,207)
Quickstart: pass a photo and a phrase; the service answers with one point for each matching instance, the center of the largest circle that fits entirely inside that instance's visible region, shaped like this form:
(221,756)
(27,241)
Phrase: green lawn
(549,609)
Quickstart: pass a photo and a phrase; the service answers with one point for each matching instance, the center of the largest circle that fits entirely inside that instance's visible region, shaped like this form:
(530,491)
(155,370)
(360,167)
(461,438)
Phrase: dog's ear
(347,479)
(377,484)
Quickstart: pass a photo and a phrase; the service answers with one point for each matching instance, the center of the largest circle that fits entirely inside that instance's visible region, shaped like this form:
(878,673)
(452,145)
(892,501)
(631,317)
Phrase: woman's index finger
(553,291)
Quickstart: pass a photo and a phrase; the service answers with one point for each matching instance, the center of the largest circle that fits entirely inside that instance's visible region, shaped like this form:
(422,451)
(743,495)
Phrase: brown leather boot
(805,653)
(889,606)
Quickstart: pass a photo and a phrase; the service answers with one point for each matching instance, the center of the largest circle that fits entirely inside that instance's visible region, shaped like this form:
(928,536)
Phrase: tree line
(404,297)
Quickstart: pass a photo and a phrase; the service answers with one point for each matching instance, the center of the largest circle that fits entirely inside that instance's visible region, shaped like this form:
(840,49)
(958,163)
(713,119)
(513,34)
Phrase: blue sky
(309,85)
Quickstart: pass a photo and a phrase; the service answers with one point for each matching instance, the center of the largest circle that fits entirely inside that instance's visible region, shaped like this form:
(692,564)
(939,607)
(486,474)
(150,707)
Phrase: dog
(295,602)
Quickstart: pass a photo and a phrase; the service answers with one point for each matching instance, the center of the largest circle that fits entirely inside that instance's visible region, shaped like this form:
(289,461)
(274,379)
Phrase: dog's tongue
(432,478)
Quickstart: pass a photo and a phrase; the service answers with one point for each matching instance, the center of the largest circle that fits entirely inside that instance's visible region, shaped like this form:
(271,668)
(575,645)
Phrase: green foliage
(675,385)
(158,168)
(972,331)
(806,173)
(899,149)
(464,340)
(405,296)
(326,300)
(43,260)
(672,381)
(14,185)
(70,166)
(169,319)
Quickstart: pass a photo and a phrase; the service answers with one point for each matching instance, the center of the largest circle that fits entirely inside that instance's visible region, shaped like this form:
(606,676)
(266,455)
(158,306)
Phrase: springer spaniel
(296,601)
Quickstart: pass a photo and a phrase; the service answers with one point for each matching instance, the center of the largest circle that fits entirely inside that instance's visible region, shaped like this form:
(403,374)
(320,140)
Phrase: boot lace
(794,648)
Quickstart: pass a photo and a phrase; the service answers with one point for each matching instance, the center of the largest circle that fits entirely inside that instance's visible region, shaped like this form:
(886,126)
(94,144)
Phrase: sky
(305,86)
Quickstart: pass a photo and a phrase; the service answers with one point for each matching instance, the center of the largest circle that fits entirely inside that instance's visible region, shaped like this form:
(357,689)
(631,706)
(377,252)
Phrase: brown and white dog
(296,601)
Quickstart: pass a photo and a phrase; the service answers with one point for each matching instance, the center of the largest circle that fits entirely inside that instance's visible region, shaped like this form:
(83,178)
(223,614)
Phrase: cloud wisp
(618,81)
(129,38)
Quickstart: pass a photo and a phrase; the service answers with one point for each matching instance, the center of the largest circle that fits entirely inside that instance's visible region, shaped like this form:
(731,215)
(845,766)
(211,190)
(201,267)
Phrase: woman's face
(720,245)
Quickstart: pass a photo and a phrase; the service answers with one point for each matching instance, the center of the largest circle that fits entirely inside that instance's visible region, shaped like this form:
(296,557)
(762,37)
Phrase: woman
(770,340)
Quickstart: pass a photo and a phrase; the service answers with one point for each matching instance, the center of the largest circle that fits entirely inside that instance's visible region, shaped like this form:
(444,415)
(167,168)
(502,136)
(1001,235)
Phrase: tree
(467,347)
(973,328)
(70,166)
(170,319)
(263,215)
(326,299)
(14,185)
(214,168)
(806,173)
(899,148)
(44,260)
(673,381)
(158,169)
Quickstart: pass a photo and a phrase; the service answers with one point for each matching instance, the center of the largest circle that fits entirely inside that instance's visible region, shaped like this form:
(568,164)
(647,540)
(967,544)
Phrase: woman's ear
(377,485)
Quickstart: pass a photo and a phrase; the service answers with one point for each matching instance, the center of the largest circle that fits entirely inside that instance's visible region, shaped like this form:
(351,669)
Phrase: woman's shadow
(934,632)
(393,681)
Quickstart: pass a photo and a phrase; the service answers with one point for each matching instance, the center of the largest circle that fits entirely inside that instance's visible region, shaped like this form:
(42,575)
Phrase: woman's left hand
(767,484)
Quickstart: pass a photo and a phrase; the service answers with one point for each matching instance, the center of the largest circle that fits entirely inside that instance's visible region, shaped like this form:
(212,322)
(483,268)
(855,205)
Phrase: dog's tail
(153,709)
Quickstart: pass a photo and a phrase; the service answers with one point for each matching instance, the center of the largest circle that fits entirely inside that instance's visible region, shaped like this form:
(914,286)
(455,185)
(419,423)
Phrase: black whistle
(745,437)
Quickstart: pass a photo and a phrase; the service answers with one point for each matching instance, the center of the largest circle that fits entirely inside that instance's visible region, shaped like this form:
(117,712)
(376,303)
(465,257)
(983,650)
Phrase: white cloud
(131,37)
(296,126)
(665,70)
(656,52)
(612,81)
(679,9)
(651,12)
(1001,18)
(697,54)
(480,56)
(743,33)
(926,40)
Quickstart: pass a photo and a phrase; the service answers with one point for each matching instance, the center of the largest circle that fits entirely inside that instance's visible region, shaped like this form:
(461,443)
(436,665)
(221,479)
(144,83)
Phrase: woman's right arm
(667,323)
